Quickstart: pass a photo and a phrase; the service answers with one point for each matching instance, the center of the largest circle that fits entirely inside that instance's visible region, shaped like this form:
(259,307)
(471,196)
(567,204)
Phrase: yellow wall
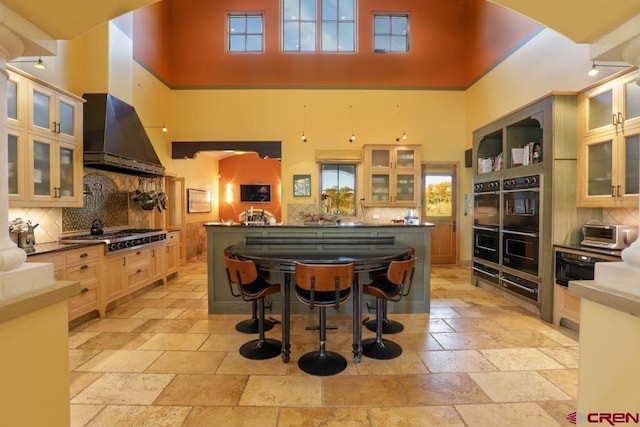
(35,362)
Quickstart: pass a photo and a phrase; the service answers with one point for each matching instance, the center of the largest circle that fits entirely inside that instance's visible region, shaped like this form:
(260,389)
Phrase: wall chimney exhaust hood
(114,138)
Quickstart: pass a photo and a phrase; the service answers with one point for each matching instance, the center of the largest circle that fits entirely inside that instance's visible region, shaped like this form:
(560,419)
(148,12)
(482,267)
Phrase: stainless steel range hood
(114,138)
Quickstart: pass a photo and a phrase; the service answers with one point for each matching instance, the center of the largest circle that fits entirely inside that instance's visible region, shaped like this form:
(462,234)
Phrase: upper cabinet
(609,144)
(44,144)
(392,175)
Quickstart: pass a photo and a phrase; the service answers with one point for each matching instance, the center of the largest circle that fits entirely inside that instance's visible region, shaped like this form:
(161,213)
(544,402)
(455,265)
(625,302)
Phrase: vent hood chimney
(114,138)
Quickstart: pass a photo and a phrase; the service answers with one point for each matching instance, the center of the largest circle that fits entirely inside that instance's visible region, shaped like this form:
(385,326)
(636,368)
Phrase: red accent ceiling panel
(451,43)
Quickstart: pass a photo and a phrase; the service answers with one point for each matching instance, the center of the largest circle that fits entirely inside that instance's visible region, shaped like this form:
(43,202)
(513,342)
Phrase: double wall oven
(486,230)
(507,224)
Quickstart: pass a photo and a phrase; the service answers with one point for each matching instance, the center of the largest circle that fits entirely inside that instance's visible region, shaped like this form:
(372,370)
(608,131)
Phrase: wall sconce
(404,133)
(595,68)
(228,195)
(304,123)
(39,64)
(163,127)
(353,133)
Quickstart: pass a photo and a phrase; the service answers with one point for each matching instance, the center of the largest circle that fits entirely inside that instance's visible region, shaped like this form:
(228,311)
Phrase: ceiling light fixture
(304,122)
(404,133)
(595,68)
(353,133)
(39,64)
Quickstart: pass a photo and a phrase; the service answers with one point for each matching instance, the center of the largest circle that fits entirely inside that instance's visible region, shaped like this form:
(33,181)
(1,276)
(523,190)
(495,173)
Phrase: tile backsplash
(106,196)
(624,216)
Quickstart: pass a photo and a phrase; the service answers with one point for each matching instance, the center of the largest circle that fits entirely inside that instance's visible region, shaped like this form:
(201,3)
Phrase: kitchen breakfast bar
(276,249)
(359,239)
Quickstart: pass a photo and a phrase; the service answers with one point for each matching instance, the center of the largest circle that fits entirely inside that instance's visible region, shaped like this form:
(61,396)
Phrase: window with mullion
(391,33)
(301,31)
(245,32)
(338,183)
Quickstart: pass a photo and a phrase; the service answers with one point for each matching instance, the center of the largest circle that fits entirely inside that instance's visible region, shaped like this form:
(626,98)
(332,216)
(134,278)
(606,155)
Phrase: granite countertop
(618,300)
(50,247)
(26,303)
(322,225)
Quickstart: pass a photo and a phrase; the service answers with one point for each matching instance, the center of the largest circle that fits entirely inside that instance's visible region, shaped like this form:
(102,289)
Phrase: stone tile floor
(476,360)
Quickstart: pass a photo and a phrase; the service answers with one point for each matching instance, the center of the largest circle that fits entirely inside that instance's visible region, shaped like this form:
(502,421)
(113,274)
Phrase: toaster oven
(608,236)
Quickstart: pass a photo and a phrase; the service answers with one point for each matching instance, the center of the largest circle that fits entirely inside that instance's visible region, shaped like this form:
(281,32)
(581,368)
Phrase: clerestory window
(318,25)
(245,32)
(390,33)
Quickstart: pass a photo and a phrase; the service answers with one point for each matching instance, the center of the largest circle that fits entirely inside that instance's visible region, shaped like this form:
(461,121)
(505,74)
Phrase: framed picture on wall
(198,201)
(256,193)
(301,185)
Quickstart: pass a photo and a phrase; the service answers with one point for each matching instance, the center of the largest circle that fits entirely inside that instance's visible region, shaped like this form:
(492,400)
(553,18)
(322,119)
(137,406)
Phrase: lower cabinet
(83,265)
(107,278)
(133,269)
(173,252)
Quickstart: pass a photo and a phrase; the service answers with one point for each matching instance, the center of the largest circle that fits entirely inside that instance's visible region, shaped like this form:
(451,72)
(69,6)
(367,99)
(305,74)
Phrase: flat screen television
(255,193)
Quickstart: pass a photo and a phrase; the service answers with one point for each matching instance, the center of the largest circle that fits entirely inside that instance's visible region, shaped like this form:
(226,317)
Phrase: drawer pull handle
(139,270)
(83,290)
(84,267)
(138,253)
(84,255)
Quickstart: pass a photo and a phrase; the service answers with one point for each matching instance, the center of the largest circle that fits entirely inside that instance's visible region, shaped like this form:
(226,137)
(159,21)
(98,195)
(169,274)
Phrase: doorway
(439,183)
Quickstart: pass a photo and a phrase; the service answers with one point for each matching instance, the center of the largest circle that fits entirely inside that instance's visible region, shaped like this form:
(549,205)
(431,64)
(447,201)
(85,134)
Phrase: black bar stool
(389,287)
(250,326)
(244,275)
(389,326)
(323,285)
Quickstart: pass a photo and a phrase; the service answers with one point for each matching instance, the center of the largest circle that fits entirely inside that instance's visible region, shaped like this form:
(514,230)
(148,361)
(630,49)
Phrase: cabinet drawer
(84,255)
(173,236)
(134,258)
(86,274)
(84,302)
(139,276)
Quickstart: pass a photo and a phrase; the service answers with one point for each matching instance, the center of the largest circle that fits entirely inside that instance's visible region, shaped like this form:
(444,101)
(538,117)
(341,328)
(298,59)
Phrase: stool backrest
(240,272)
(400,273)
(325,278)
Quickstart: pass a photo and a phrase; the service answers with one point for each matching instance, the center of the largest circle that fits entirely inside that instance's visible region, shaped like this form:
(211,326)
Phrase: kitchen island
(361,238)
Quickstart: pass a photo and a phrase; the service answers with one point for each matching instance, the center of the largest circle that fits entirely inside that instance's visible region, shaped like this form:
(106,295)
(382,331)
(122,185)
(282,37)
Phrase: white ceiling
(583,21)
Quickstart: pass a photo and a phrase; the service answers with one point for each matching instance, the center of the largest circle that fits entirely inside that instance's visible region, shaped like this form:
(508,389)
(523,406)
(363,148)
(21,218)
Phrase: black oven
(486,204)
(520,251)
(486,244)
(521,204)
(577,265)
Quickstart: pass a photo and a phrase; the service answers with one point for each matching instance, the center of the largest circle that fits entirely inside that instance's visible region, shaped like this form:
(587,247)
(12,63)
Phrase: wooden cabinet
(133,269)
(392,175)
(609,144)
(173,252)
(83,265)
(45,144)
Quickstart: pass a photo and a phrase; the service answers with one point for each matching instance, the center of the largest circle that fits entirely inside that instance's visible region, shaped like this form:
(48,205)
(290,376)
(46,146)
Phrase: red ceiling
(452,43)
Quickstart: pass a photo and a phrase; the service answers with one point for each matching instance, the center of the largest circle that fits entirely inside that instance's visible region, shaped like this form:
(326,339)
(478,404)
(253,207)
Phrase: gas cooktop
(120,239)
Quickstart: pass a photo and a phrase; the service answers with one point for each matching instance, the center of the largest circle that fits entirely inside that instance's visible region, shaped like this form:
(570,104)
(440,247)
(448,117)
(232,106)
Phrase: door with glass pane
(439,208)
(53,114)
(43,164)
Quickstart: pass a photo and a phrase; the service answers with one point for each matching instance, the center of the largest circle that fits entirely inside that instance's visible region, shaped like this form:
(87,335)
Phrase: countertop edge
(589,289)
(322,226)
(20,305)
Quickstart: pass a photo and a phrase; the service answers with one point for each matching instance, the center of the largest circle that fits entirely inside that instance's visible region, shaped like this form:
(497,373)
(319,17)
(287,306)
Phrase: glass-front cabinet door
(66,163)
(16,165)
(392,175)
(42,163)
(53,114)
(610,169)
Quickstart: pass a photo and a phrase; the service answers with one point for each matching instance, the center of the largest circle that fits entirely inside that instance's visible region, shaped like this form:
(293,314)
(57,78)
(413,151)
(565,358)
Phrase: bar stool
(389,287)
(250,326)
(389,326)
(244,275)
(323,285)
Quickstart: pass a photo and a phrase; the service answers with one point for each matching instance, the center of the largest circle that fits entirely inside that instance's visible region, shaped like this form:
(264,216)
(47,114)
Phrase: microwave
(608,236)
